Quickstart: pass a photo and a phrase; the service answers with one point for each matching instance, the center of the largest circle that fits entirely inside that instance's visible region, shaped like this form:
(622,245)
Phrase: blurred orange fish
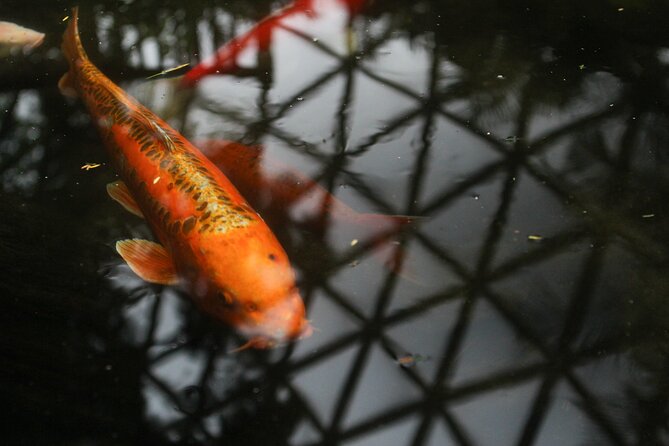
(211,240)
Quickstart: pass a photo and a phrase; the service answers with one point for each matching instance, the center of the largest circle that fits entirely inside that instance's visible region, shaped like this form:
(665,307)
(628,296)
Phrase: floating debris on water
(354,242)
(89,166)
(156,179)
(410,360)
(648,216)
(169,71)
(65,18)
(535,238)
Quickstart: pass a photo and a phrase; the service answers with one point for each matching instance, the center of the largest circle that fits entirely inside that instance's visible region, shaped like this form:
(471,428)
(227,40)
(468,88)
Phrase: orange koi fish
(225,59)
(211,240)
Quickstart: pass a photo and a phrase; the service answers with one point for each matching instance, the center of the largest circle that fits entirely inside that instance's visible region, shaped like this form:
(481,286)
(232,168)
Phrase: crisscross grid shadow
(573,163)
(521,155)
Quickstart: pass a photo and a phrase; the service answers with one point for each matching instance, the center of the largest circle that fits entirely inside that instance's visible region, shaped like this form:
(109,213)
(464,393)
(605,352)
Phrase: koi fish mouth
(262,342)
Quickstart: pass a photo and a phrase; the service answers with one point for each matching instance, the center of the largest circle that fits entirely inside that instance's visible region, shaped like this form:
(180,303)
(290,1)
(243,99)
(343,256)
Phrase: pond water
(526,303)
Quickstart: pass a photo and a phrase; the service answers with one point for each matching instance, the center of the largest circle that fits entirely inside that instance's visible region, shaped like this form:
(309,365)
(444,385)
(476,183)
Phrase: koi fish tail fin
(388,222)
(73,51)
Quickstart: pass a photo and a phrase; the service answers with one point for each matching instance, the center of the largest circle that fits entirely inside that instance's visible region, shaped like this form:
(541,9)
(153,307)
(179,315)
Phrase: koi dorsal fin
(148,260)
(120,193)
(164,137)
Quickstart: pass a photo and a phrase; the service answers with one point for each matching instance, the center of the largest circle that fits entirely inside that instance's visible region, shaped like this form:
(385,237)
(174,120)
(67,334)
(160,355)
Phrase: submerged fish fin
(120,193)
(259,343)
(385,220)
(148,260)
(66,86)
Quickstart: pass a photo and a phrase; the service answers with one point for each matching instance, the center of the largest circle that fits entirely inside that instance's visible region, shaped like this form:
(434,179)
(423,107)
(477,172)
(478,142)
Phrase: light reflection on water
(533,289)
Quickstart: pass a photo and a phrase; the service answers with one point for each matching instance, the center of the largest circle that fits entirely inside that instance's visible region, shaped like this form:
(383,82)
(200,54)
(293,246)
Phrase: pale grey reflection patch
(565,423)
(305,433)
(332,370)
(498,416)
(398,433)
(490,347)
(374,395)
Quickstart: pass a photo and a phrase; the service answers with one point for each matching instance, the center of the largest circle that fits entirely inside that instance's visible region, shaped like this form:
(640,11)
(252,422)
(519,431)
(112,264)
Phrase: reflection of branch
(443,200)
(394,124)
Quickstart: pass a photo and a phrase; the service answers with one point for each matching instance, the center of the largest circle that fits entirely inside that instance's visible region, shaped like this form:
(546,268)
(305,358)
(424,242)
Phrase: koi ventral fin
(66,86)
(119,192)
(148,260)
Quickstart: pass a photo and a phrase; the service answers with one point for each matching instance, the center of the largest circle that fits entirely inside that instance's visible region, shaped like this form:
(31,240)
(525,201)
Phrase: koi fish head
(254,291)
(276,324)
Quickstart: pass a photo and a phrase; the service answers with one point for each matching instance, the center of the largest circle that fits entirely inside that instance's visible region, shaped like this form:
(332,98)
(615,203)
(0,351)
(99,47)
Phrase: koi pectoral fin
(120,193)
(148,260)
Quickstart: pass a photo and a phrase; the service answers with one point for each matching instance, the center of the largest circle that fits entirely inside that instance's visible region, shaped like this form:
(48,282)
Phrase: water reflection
(534,141)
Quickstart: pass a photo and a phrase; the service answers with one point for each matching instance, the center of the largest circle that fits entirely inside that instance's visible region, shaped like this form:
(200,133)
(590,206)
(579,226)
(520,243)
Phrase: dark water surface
(532,307)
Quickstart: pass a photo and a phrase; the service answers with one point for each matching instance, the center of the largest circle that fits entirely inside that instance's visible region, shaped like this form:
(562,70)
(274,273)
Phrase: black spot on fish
(272,257)
(188,225)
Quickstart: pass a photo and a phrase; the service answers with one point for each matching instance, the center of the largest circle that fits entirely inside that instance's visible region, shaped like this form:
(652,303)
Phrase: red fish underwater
(225,59)
(211,240)
(277,190)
